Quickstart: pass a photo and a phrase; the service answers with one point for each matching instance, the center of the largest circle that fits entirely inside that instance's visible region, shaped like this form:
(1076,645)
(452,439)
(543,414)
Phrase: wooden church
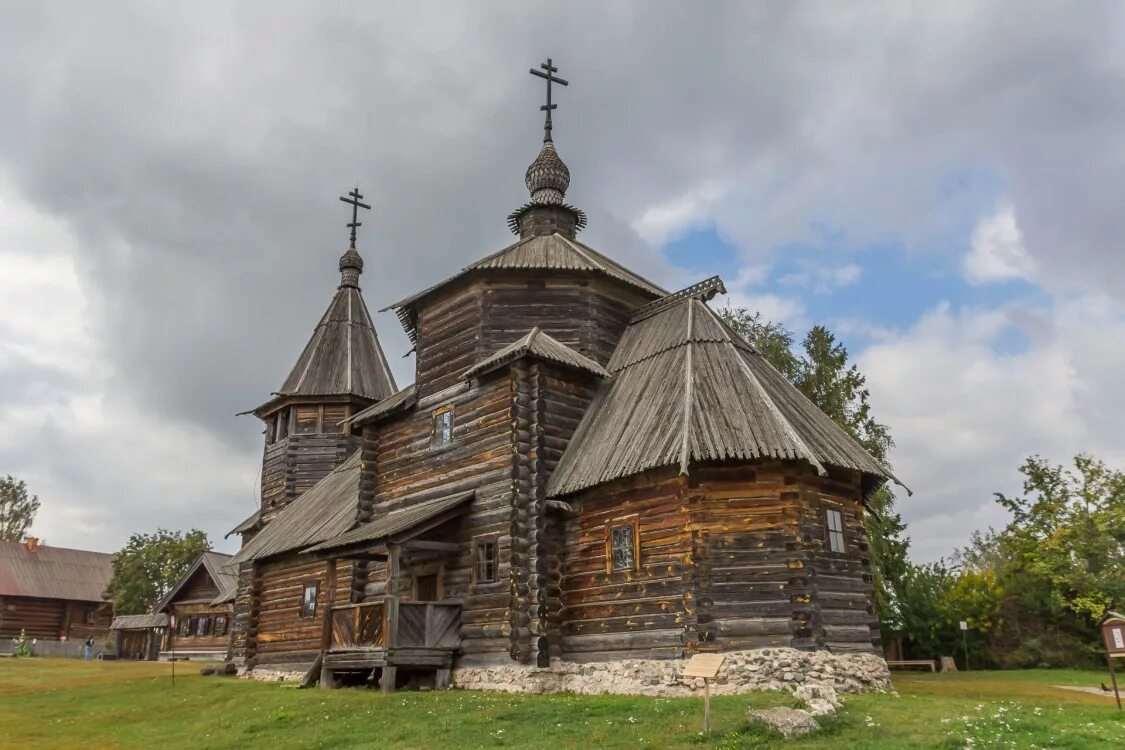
(587,467)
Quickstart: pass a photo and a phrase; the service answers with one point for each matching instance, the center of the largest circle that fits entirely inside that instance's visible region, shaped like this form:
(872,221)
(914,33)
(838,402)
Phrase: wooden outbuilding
(53,593)
(587,467)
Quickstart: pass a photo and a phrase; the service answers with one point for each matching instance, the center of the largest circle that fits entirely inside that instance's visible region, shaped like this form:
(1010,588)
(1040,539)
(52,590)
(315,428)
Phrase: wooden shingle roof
(342,358)
(538,252)
(401,521)
(686,388)
(216,564)
(543,346)
(53,572)
(140,622)
(326,510)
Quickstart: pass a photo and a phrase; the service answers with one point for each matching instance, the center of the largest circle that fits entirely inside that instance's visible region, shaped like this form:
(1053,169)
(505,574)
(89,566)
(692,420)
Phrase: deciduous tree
(17,509)
(149,565)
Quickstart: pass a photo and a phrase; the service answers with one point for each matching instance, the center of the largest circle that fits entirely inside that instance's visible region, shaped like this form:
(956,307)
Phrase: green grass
(73,704)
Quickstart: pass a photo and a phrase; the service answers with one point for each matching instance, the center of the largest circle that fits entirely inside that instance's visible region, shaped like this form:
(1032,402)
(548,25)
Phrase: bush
(21,646)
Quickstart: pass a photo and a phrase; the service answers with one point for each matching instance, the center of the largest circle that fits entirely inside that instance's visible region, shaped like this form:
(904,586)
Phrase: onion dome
(351,266)
(547,177)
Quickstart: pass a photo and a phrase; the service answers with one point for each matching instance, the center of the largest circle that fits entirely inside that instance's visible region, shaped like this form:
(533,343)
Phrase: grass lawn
(60,703)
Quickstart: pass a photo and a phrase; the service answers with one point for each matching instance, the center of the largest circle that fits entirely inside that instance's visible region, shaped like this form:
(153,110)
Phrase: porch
(384,635)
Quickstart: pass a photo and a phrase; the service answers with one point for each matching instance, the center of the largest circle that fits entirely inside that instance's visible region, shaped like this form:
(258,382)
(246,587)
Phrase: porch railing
(389,623)
(359,625)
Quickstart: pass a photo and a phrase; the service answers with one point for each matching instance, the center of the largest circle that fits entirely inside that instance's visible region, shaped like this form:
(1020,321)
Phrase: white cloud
(964,415)
(657,224)
(997,252)
(821,278)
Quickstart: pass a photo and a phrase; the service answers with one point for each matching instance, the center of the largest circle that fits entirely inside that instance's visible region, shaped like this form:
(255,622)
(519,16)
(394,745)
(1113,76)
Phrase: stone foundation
(742,672)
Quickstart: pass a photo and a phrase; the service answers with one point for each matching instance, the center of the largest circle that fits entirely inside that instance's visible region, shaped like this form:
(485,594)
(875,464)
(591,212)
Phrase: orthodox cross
(551,78)
(354,200)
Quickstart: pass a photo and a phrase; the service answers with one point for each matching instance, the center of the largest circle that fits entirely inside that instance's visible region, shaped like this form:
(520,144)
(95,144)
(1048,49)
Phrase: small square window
(835,524)
(219,626)
(443,428)
(308,600)
(486,562)
(623,547)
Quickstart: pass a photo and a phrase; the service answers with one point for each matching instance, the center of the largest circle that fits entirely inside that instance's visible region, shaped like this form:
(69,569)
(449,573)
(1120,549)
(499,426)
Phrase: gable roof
(686,388)
(343,356)
(215,564)
(54,572)
(324,511)
(399,521)
(538,252)
(542,345)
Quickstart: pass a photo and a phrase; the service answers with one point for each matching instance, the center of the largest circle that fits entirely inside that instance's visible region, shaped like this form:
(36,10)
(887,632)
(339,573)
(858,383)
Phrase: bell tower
(341,370)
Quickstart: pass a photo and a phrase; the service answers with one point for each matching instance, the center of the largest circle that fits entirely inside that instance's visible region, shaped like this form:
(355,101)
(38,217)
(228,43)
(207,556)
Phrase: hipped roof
(326,510)
(537,252)
(342,358)
(684,389)
(54,572)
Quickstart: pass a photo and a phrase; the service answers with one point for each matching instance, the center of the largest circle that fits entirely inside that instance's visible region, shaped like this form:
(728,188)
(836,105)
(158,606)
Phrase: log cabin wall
(277,633)
(295,463)
(191,612)
(647,612)
(471,319)
(400,466)
(764,576)
(50,619)
(843,591)
(244,612)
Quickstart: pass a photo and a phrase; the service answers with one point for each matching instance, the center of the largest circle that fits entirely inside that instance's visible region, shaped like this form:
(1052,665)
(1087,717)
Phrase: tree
(17,510)
(822,372)
(145,570)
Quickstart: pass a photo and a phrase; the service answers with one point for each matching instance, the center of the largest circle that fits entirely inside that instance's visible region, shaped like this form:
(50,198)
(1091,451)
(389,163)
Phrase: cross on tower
(354,200)
(550,78)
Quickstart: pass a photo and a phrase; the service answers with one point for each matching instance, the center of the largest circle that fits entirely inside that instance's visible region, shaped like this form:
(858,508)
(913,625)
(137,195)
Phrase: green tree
(17,509)
(822,372)
(145,570)
(1067,535)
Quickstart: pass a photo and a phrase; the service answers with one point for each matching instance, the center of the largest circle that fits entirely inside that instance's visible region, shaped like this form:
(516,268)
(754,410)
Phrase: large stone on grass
(790,722)
(821,700)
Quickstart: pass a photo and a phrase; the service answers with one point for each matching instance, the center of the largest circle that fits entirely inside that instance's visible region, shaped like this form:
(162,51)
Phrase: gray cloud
(195,152)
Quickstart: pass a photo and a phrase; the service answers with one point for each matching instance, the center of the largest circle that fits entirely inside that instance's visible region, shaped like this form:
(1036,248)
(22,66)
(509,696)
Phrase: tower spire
(351,264)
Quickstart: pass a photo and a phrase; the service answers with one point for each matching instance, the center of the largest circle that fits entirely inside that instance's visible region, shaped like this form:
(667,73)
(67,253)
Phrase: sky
(939,183)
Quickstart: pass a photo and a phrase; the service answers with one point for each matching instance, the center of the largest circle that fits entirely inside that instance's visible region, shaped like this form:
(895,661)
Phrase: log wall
(50,619)
(296,463)
(277,634)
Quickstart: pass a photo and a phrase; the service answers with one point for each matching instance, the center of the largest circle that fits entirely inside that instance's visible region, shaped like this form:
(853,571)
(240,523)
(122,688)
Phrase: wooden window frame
(215,623)
(182,630)
(315,586)
(634,522)
(479,542)
(434,415)
(831,534)
(202,627)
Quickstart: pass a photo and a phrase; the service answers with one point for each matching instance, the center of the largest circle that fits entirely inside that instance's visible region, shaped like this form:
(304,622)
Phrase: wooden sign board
(704,665)
(1113,631)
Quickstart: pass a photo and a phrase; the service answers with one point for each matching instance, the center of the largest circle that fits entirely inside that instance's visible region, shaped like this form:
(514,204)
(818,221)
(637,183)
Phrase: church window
(308,600)
(486,562)
(281,430)
(219,626)
(306,421)
(442,434)
(621,541)
(835,523)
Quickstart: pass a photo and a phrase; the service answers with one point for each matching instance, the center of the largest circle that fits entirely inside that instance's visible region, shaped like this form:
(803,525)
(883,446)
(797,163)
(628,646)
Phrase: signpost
(705,666)
(1113,632)
(965,642)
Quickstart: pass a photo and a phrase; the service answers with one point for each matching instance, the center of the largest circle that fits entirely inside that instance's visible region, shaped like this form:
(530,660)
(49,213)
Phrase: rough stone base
(742,672)
(270,674)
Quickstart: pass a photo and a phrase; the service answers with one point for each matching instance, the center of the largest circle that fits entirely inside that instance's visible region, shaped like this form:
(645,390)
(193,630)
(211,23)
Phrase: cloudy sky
(941,184)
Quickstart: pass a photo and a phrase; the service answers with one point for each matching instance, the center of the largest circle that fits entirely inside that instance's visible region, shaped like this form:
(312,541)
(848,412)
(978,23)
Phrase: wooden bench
(914,663)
